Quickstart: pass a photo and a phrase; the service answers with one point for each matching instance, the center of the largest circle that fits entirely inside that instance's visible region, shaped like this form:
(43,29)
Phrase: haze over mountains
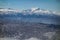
(32,15)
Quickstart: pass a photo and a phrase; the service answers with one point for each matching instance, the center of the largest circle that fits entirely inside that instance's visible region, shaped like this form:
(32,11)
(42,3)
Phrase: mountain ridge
(31,11)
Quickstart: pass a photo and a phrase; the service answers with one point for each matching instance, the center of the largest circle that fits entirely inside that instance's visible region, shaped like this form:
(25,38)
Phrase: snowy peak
(8,10)
(37,11)
(31,11)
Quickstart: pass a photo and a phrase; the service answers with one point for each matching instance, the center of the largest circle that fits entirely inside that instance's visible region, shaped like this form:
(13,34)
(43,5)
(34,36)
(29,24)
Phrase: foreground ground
(29,31)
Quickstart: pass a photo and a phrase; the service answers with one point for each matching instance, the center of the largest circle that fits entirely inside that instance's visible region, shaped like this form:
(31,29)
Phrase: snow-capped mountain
(28,11)
(38,11)
(31,15)
(7,11)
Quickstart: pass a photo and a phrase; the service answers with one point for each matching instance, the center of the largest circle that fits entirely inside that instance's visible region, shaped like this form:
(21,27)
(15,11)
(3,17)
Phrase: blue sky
(26,4)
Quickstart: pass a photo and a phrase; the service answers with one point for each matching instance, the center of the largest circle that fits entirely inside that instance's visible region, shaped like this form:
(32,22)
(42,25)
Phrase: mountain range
(31,15)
